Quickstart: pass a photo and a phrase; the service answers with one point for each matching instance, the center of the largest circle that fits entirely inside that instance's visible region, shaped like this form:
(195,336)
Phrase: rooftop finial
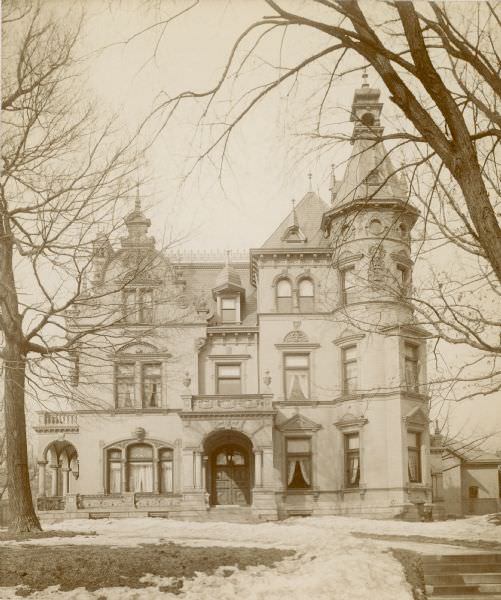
(294,215)
(365,77)
(333,182)
(228,257)
(137,202)
(437,428)
(309,183)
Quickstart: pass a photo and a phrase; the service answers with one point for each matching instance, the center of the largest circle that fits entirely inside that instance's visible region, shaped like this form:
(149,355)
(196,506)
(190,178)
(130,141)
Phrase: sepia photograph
(250,300)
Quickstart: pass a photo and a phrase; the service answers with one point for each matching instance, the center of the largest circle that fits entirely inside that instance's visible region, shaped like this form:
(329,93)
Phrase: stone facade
(291,381)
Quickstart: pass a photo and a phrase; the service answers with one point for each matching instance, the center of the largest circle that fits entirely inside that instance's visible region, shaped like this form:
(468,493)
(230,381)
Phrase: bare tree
(66,169)
(440,66)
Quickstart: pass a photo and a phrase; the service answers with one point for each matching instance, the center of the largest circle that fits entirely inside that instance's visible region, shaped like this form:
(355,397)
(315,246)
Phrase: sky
(237,202)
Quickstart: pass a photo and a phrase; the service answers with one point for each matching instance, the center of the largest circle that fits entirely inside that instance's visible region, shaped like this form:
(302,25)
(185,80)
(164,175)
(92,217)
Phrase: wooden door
(231,476)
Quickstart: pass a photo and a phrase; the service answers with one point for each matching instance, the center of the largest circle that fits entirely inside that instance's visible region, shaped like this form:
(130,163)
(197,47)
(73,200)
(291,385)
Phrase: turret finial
(365,77)
(309,182)
(228,257)
(137,202)
(294,215)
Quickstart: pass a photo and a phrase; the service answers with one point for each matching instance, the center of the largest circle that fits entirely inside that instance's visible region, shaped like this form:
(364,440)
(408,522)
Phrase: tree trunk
(23,516)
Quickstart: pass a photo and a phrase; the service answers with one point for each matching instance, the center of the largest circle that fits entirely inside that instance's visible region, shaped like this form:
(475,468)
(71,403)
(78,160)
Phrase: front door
(231,481)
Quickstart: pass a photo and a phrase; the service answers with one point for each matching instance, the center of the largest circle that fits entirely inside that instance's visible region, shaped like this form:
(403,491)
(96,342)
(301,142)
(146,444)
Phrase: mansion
(287,381)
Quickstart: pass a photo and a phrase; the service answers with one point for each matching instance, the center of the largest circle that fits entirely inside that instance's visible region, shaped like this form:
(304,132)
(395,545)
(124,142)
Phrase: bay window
(138,305)
(411,359)
(347,277)
(138,383)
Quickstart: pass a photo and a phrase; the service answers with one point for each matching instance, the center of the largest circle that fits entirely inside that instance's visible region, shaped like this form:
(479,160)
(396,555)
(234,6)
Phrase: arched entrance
(61,458)
(229,464)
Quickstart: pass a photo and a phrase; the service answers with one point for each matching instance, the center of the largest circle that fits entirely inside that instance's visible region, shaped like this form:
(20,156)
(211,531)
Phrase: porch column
(258,468)
(188,468)
(205,466)
(41,477)
(123,475)
(198,470)
(267,471)
(156,478)
(66,480)
(55,479)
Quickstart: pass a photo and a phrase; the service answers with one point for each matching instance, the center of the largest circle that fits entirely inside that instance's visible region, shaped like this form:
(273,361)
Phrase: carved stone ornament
(200,343)
(139,433)
(377,267)
(296,336)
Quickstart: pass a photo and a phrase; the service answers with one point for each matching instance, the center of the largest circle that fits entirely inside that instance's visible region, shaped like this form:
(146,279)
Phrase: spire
(366,110)
(294,215)
(228,278)
(137,203)
(333,187)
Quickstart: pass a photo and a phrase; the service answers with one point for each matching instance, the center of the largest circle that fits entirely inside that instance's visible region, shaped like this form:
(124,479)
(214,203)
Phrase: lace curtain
(140,477)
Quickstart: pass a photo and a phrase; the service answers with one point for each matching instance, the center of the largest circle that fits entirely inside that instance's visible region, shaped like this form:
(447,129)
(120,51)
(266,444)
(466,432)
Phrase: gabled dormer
(229,294)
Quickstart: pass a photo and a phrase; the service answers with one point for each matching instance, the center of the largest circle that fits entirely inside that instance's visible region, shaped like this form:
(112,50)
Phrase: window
(284,296)
(165,461)
(141,381)
(414,456)
(298,463)
(138,305)
(411,367)
(306,295)
(228,310)
(473,492)
(228,379)
(351,460)
(403,278)
(297,376)
(125,385)
(347,284)
(140,467)
(114,471)
(152,385)
(350,369)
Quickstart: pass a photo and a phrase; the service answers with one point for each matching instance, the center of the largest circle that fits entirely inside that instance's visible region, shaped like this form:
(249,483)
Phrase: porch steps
(231,514)
(462,576)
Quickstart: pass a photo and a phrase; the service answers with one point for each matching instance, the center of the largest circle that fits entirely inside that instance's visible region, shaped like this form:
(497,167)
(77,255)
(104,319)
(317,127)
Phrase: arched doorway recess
(229,468)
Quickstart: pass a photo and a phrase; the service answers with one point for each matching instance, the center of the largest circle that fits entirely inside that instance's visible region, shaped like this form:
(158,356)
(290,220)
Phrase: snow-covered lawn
(331,563)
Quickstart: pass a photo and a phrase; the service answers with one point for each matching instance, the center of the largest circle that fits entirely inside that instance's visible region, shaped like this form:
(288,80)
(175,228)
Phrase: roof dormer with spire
(137,227)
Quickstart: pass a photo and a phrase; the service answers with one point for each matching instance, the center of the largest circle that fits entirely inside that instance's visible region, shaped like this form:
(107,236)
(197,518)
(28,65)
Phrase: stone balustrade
(56,422)
(237,403)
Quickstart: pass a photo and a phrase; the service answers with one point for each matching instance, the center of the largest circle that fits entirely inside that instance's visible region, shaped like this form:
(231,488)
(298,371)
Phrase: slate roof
(309,212)
(369,173)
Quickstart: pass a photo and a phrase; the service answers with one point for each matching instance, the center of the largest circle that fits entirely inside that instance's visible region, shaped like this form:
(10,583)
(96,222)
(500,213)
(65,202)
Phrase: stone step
(460,558)
(467,597)
(451,568)
(462,578)
(437,591)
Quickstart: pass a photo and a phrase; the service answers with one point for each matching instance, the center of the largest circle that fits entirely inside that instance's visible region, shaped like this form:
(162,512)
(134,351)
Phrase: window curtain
(353,469)
(140,477)
(115,478)
(413,465)
(298,386)
(166,477)
(304,467)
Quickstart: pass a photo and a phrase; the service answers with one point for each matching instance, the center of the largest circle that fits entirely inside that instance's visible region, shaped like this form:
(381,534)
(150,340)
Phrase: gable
(299,423)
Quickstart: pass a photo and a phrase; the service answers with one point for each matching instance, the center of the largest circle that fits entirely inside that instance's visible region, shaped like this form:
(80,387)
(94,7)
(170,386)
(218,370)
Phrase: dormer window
(138,305)
(229,309)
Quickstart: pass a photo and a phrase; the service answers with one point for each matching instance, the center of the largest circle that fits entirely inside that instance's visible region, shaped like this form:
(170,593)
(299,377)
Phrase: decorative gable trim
(347,336)
(298,423)
(351,422)
(294,235)
(416,418)
(138,347)
(296,336)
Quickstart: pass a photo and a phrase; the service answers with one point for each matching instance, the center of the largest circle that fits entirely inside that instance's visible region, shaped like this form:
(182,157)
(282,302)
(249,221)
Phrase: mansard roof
(301,227)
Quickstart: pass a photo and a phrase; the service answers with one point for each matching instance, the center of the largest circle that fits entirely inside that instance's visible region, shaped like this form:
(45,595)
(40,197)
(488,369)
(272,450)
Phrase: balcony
(57,422)
(242,403)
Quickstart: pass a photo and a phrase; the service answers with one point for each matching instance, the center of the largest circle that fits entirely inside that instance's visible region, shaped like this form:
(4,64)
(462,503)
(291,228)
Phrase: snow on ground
(331,564)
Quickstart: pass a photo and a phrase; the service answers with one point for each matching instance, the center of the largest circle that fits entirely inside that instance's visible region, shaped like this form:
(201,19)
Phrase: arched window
(165,462)
(114,471)
(284,296)
(140,468)
(306,295)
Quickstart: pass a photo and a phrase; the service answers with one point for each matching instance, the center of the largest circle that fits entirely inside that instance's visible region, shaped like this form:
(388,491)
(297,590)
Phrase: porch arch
(61,458)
